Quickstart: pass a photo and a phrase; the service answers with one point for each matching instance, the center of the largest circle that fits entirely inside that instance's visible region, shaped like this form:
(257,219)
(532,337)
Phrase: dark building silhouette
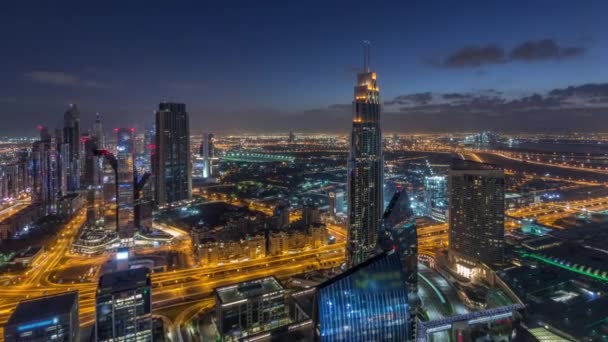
(49,318)
(171,165)
(399,234)
(71,136)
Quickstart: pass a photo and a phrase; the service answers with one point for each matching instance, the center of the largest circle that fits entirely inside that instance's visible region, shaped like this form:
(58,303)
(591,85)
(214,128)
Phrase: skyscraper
(435,197)
(45,178)
(476,217)
(365,169)
(207,152)
(123,306)
(98,132)
(399,234)
(366,303)
(71,136)
(63,165)
(125,155)
(172,168)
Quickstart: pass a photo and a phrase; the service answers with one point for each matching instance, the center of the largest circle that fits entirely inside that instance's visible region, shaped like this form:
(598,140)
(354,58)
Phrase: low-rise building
(49,318)
(258,310)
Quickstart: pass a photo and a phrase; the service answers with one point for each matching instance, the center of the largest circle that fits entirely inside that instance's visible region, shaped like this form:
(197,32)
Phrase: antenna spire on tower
(366,55)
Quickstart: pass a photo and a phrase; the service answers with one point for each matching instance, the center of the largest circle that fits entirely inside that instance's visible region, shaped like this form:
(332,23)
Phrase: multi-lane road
(169,288)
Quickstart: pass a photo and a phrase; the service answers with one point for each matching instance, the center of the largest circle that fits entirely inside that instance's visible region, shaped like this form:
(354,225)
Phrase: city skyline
(226,213)
(474,70)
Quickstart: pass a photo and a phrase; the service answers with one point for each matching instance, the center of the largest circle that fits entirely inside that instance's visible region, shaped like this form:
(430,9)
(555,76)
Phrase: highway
(8,210)
(169,288)
(570,173)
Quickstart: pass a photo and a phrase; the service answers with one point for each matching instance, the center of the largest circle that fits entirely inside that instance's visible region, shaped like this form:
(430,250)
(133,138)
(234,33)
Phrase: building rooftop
(43,308)
(248,289)
(124,280)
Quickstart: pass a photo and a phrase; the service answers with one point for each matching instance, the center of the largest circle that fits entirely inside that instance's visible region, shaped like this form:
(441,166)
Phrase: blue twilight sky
(280,65)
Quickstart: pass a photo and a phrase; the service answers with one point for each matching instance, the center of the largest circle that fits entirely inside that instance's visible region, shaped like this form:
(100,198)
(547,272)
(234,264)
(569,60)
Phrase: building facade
(49,318)
(365,303)
(436,197)
(45,180)
(476,217)
(365,170)
(125,156)
(399,230)
(207,152)
(71,137)
(249,307)
(172,168)
(123,306)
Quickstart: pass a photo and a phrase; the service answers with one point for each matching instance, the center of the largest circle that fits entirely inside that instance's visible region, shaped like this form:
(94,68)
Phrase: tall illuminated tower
(125,155)
(365,169)
(476,217)
(207,152)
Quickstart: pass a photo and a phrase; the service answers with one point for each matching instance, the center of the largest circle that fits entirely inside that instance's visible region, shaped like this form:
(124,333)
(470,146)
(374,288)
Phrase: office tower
(332,203)
(310,214)
(250,307)
(436,197)
(144,203)
(123,306)
(92,180)
(207,152)
(45,180)
(476,217)
(91,174)
(14,177)
(172,168)
(44,133)
(63,165)
(98,132)
(365,169)
(281,215)
(207,142)
(49,318)
(125,156)
(292,137)
(366,303)
(399,234)
(71,136)
(150,144)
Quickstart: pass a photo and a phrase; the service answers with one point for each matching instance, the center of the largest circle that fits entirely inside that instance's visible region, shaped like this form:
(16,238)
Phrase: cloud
(412,99)
(474,56)
(537,50)
(528,51)
(59,78)
(582,107)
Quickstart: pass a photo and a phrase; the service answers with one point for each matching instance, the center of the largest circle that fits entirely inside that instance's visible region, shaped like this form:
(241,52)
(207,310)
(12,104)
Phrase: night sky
(272,66)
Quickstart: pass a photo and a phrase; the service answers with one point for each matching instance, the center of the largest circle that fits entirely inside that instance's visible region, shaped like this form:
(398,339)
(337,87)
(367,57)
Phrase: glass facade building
(366,303)
(476,218)
(171,160)
(399,234)
(125,154)
(71,136)
(123,306)
(365,170)
(436,197)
